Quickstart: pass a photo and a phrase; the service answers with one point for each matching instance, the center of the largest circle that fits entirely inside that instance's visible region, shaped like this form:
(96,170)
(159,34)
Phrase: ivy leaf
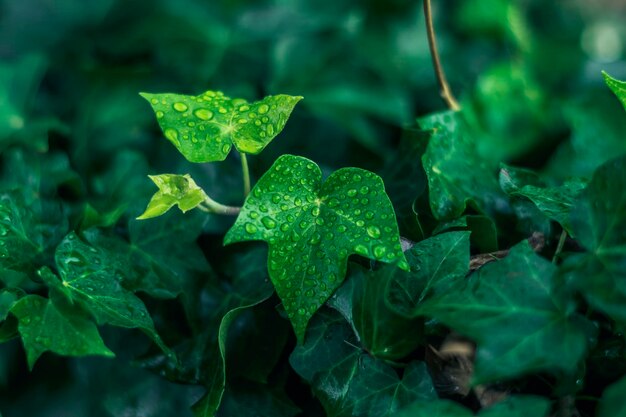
(437,264)
(350,382)
(457,173)
(204,128)
(509,310)
(555,202)
(174,190)
(598,220)
(514,406)
(382,331)
(93,279)
(618,87)
(613,403)
(256,400)
(44,327)
(312,228)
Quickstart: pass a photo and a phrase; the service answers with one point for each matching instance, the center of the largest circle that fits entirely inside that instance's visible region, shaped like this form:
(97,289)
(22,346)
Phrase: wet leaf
(204,128)
(613,403)
(44,327)
(555,202)
(91,278)
(618,87)
(312,229)
(457,173)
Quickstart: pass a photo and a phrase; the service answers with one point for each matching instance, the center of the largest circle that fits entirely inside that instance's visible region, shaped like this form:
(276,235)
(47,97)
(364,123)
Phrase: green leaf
(457,173)
(382,332)
(513,406)
(256,400)
(437,264)
(28,231)
(555,202)
(509,309)
(618,87)
(179,190)
(598,220)
(350,382)
(204,128)
(312,229)
(44,327)
(613,403)
(92,278)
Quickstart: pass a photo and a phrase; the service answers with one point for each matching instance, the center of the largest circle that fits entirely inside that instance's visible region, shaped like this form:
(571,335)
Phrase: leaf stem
(559,246)
(212,206)
(246,174)
(445,91)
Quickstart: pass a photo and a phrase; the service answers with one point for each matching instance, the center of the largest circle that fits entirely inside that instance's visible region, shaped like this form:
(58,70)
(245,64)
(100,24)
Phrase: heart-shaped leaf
(204,128)
(312,228)
(179,190)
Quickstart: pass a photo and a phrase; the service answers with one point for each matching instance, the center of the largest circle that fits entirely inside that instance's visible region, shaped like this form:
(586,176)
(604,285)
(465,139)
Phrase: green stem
(445,91)
(246,174)
(559,246)
(212,206)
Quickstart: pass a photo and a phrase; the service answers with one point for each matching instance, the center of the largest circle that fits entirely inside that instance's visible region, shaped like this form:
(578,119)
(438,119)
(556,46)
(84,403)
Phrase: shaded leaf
(599,220)
(312,228)
(437,265)
(256,400)
(350,382)
(457,173)
(509,309)
(613,403)
(555,202)
(44,327)
(204,128)
(513,406)
(93,279)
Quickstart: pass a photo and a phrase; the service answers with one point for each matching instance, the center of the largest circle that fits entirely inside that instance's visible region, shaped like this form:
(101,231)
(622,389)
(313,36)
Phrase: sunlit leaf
(312,229)
(204,128)
(174,190)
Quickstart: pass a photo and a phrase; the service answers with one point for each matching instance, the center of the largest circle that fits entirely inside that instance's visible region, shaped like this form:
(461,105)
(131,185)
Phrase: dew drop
(373,231)
(268,222)
(379,251)
(203,114)
(159,114)
(360,249)
(351,192)
(225,148)
(263,108)
(180,107)
(250,228)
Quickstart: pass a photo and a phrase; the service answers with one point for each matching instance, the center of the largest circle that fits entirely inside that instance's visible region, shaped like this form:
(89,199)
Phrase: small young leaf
(618,87)
(204,128)
(509,309)
(312,228)
(43,328)
(179,190)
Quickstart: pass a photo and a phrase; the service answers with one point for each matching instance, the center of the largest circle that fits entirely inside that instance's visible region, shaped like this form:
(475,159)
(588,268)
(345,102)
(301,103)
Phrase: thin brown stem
(445,91)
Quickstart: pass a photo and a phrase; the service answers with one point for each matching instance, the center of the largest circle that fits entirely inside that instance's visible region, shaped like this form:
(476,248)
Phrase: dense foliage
(388,257)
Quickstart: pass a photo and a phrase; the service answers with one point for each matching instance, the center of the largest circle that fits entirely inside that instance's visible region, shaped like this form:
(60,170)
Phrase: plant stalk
(559,246)
(246,174)
(444,87)
(211,206)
